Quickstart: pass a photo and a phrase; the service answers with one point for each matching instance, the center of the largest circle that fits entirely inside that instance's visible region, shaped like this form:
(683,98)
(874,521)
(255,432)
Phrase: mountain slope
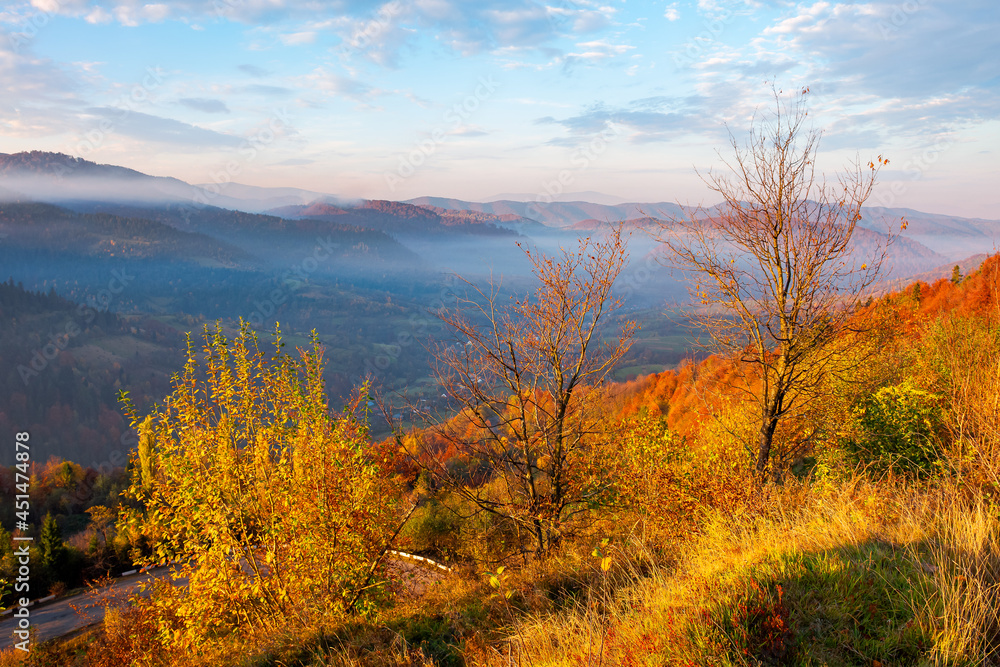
(951,236)
(401,218)
(48,229)
(278,241)
(60,178)
(557,213)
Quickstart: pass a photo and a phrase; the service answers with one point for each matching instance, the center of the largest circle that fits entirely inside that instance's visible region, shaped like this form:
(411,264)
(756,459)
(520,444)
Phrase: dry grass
(852,573)
(849,572)
(12,658)
(961,596)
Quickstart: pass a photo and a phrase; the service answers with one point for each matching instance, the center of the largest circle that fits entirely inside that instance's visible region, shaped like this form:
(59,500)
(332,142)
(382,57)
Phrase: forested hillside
(791,462)
(677,556)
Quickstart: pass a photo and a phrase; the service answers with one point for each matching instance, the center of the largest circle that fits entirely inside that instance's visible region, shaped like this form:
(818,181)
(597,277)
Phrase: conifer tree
(51,545)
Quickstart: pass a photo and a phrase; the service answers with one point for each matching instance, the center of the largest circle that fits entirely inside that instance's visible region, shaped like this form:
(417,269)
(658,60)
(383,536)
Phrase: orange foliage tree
(525,375)
(962,352)
(773,266)
(268,504)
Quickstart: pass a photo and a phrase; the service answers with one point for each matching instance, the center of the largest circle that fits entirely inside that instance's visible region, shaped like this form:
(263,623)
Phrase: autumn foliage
(267,504)
(774,267)
(526,376)
(278,512)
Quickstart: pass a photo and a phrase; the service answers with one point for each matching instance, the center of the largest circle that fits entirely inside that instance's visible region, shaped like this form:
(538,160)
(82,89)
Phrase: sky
(471,99)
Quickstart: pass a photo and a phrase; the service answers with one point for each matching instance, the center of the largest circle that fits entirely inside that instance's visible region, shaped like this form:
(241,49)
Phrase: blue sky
(472,99)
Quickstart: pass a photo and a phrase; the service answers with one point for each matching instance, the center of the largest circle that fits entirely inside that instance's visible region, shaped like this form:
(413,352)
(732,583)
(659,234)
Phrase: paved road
(61,617)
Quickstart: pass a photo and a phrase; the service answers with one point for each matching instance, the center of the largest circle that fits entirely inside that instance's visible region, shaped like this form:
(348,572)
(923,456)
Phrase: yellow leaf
(494,582)
(606,563)
(500,570)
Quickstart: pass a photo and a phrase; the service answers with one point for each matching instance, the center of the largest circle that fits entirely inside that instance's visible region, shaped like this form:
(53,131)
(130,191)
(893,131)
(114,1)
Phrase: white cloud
(98,15)
(298,38)
(377,33)
(342,86)
(51,6)
(598,50)
(40,97)
(880,71)
(156,12)
(204,104)
(149,127)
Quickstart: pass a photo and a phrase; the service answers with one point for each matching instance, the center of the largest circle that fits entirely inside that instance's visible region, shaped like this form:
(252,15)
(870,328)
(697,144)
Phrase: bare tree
(774,268)
(524,374)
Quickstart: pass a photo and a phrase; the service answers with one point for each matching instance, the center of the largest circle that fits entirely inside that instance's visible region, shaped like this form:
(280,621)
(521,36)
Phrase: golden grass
(837,573)
(11,657)
(961,598)
(849,572)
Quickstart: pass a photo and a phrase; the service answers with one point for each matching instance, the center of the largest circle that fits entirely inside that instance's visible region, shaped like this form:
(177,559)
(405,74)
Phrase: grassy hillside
(878,544)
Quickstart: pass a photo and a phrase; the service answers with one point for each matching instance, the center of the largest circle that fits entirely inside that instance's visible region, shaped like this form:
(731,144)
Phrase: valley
(108,270)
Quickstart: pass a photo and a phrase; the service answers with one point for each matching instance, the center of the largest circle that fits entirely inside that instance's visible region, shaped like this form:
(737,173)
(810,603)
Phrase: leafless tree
(775,272)
(524,373)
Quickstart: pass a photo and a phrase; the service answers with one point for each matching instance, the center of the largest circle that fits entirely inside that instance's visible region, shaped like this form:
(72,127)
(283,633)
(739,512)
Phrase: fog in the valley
(106,271)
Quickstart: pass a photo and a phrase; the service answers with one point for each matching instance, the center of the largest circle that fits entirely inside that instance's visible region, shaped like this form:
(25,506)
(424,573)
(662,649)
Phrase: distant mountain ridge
(87,186)
(44,163)
(60,178)
(44,228)
(401,217)
(590,196)
(948,237)
(556,213)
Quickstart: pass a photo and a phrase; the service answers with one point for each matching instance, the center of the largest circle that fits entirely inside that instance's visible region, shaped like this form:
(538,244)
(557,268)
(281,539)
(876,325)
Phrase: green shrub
(899,427)
(432,528)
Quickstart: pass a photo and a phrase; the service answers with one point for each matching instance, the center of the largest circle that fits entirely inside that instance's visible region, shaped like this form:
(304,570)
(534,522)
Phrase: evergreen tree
(7,565)
(51,545)
(6,545)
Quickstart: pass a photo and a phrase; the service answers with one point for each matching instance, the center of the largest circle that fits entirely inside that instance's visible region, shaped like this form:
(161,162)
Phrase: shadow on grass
(852,605)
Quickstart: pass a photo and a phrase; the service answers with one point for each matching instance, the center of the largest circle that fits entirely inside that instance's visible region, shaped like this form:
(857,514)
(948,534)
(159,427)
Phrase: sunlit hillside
(878,543)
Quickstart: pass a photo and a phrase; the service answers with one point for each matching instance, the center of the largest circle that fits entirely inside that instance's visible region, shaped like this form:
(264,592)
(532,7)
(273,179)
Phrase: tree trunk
(765,439)
(539,538)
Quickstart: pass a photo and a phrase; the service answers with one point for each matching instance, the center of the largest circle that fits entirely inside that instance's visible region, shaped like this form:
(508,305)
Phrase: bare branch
(524,375)
(776,275)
